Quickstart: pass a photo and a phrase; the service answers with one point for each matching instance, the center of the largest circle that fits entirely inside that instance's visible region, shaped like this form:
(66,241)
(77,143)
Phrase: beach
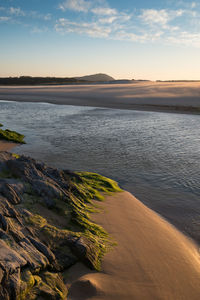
(152,259)
(156,96)
(7,146)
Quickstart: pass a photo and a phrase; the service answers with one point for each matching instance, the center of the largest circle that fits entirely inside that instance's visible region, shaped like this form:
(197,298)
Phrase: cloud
(96,19)
(118,18)
(16,11)
(46,17)
(159,17)
(96,7)
(185,38)
(35,15)
(76,5)
(193,4)
(152,16)
(39,29)
(108,20)
(91,29)
(104,21)
(4,19)
(104,11)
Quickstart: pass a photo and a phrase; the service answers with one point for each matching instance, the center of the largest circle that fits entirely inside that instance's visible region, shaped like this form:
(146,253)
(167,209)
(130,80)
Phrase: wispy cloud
(76,5)
(185,38)
(193,4)
(166,26)
(35,15)
(104,11)
(96,18)
(142,37)
(17,11)
(104,20)
(107,20)
(152,16)
(4,19)
(176,25)
(96,7)
(90,29)
(159,17)
(39,29)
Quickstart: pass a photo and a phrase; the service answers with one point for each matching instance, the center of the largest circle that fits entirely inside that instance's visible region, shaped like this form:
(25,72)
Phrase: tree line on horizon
(29,80)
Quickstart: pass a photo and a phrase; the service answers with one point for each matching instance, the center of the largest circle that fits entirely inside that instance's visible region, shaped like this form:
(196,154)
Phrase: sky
(129,39)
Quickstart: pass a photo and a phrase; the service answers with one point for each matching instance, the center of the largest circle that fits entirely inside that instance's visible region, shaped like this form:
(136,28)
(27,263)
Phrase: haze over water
(153,155)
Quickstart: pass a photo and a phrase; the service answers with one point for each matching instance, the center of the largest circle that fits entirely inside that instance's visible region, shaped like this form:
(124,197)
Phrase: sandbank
(154,96)
(152,260)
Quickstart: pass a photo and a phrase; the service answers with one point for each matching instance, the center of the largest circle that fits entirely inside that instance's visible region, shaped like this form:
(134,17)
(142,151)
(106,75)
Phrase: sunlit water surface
(156,156)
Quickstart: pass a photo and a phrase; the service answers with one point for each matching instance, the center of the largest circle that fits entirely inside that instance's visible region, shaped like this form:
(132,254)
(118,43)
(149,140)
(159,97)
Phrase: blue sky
(125,39)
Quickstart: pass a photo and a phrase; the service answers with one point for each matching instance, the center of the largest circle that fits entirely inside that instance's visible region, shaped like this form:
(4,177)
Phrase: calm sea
(155,156)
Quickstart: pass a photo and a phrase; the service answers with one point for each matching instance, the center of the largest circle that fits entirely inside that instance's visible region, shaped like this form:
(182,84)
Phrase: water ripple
(156,156)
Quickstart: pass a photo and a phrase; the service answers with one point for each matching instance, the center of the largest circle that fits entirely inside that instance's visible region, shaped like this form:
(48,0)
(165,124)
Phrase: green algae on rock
(12,136)
(45,226)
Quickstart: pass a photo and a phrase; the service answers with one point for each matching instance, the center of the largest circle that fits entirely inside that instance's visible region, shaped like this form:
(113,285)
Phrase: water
(156,156)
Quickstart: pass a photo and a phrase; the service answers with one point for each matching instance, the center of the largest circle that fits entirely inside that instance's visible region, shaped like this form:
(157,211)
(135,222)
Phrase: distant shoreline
(62,81)
(177,97)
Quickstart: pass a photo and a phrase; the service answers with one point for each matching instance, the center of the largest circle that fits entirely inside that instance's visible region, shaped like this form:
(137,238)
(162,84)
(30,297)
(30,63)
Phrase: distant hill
(96,77)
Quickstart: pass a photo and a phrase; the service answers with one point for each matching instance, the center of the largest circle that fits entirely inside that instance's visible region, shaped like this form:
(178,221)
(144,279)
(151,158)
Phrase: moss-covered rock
(11,136)
(45,226)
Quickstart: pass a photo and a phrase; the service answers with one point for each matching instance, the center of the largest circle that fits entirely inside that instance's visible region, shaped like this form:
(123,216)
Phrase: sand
(179,96)
(7,146)
(152,260)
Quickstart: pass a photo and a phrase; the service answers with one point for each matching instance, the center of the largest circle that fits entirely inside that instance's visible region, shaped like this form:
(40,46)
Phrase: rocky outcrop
(45,226)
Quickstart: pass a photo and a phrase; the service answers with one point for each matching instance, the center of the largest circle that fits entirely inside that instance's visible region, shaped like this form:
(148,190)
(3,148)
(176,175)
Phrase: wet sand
(152,260)
(7,146)
(161,96)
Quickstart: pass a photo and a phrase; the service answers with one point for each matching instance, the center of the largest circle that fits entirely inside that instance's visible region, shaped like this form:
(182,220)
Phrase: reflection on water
(156,156)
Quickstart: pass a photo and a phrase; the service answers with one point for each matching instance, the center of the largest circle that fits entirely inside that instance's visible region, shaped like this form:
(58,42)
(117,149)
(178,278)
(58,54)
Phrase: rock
(14,285)
(25,168)
(4,236)
(37,207)
(10,260)
(86,251)
(17,185)
(47,293)
(1,274)
(35,259)
(9,193)
(4,295)
(50,203)
(25,212)
(11,211)
(45,189)
(3,223)
(17,235)
(43,249)
(64,259)
(56,287)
